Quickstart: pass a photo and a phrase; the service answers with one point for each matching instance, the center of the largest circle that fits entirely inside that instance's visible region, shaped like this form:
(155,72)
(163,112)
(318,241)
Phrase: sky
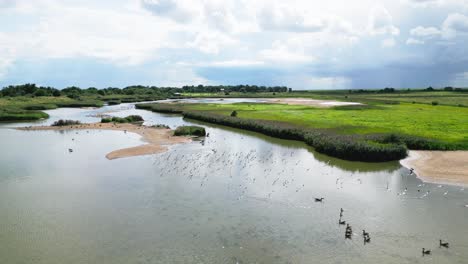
(303,44)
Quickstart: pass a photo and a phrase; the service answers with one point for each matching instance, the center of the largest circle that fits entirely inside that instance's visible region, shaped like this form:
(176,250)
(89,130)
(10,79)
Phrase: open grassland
(445,123)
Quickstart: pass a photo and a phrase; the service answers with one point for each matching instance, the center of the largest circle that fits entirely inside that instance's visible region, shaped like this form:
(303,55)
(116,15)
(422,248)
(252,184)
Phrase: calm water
(238,198)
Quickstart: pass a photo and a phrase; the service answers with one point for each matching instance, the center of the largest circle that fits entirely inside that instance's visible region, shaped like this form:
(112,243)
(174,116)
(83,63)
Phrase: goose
(70,150)
(340,222)
(319,199)
(426,252)
(367,239)
(443,244)
(364,233)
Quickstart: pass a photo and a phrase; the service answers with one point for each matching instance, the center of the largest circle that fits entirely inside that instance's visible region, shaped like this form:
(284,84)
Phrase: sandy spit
(443,167)
(158,139)
(308,102)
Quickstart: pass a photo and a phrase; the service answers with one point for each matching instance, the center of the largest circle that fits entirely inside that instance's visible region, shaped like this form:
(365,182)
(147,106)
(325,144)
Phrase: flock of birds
(240,163)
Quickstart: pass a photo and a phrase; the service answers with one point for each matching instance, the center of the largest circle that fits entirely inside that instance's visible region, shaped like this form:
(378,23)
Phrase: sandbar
(157,139)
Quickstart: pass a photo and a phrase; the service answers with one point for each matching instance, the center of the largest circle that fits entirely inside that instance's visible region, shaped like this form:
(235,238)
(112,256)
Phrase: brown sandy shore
(444,167)
(158,139)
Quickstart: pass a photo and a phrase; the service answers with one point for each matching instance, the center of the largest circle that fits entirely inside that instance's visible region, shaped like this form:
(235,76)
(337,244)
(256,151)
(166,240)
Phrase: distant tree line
(31,89)
(234,88)
(394,90)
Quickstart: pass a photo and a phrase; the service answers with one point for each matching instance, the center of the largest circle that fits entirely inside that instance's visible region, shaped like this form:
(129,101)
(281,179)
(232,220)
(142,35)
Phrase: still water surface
(238,198)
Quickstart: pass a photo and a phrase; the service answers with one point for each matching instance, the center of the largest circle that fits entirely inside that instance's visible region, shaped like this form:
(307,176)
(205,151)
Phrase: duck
(70,150)
(319,199)
(340,222)
(443,244)
(426,252)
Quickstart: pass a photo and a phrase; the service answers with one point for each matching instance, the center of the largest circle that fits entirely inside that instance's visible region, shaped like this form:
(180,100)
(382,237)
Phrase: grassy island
(128,119)
(190,131)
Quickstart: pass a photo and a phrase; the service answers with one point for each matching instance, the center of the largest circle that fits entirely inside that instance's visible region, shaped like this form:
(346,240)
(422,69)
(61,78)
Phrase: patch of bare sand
(158,139)
(445,167)
(308,102)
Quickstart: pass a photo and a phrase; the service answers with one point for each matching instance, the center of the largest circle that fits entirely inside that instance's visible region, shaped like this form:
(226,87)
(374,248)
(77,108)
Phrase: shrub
(128,119)
(161,126)
(234,113)
(435,103)
(63,122)
(190,131)
(114,102)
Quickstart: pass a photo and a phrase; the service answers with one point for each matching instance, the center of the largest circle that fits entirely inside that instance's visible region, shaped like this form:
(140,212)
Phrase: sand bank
(447,167)
(308,102)
(158,139)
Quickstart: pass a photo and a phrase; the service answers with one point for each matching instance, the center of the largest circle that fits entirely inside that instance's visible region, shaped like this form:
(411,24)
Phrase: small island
(157,138)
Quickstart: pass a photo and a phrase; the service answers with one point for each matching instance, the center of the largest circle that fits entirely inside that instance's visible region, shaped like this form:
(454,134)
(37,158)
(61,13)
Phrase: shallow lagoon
(238,198)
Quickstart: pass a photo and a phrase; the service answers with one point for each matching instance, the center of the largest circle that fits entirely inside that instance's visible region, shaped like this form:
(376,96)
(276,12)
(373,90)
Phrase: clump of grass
(190,131)
(114,102)
(160,108)
(161,126)
(128,119)
(40,107)
(63,122)
(21,115)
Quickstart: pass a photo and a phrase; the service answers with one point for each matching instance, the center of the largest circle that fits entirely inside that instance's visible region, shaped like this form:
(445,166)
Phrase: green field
(445,123)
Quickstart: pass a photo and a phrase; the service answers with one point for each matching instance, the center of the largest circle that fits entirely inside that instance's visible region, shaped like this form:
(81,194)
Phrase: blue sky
(304,44)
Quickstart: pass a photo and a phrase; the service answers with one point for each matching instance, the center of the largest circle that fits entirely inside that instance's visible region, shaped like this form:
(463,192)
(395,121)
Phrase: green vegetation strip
(190,131)
(365,133)
(128,119)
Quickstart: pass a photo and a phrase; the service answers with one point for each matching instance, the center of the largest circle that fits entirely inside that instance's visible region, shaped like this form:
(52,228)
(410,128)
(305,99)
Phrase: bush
(435,103)
(234,113)
(114,102)
(63,122)
(190,131)
(160,108)
(128,119)
(161,126)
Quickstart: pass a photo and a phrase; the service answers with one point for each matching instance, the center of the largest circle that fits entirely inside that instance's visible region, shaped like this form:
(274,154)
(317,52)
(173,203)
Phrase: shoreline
(157,139)
(308,102)
(439,167)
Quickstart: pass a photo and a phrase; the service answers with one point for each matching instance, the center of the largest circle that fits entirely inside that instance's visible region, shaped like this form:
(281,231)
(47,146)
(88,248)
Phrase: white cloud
(291,19)
(455,24)
(381,22)
(211,42)
(180,11)
(388,43)
(412,41)
(426,32)
(282,53)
